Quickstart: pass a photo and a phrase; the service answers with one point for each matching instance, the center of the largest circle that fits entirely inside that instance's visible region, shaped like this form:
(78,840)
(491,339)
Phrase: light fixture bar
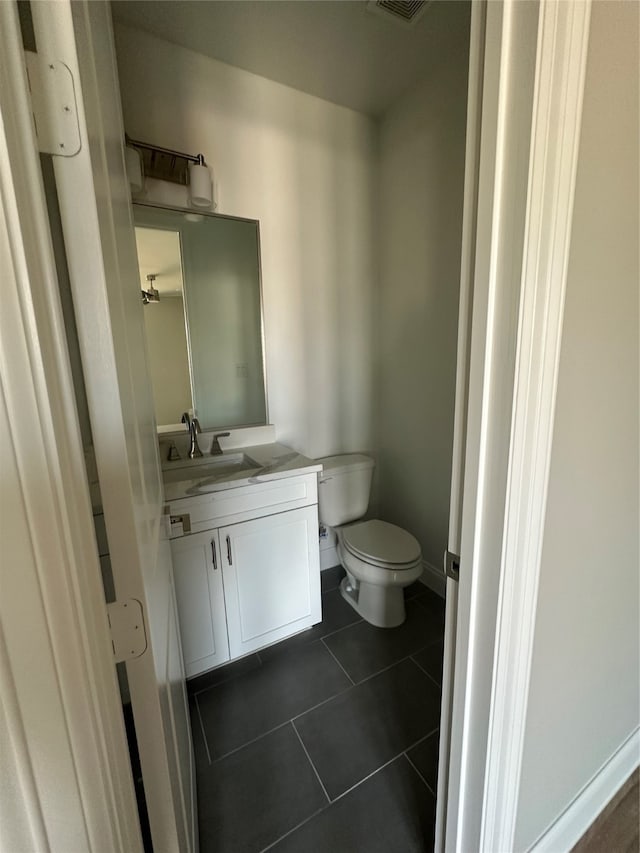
(192,158)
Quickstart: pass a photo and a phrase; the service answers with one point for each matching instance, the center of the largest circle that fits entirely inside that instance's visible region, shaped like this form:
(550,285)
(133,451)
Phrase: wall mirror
(204,327)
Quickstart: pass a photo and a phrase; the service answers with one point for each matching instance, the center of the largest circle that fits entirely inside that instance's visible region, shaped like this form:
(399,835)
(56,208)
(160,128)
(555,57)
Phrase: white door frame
(66,773)
(535,63)
(563,36)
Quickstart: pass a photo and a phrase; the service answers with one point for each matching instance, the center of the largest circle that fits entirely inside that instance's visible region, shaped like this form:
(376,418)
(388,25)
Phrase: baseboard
(434,578)
(328,558)
(576,819)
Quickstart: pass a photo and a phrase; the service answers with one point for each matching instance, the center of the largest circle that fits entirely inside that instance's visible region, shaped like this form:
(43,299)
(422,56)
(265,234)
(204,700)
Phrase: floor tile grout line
(318,705)
(386,764)
(324,637)
(204,736)
(291,831)
(354,683)
(263,662)
(284,723)
(427,785)
(391,665)
(337,661)
(249,742)
(420,739)
(422,669)
(306,752)
(329,804)
(358,621)
(324,702)
(365,778)
(353,787)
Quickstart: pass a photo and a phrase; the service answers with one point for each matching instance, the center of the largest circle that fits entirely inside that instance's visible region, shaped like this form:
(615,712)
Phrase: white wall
(422,142)
(168,359)
(583,701)
(305,168)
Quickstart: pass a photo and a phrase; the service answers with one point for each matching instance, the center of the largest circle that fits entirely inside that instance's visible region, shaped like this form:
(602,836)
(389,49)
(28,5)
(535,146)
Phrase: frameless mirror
(204,327)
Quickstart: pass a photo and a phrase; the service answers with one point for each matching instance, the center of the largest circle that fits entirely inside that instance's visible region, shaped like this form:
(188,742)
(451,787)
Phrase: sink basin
(222,467)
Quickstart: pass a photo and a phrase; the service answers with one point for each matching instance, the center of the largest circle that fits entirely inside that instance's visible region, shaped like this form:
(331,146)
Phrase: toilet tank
(344,485)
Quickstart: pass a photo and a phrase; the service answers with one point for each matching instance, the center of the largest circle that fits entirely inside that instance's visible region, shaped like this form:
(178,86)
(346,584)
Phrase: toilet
(380,558)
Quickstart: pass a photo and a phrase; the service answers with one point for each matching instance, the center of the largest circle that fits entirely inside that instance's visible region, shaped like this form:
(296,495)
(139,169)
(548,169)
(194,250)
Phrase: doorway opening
(363,238)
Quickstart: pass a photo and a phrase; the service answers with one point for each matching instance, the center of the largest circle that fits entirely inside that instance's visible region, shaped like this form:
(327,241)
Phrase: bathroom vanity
(244,539)
(243,523)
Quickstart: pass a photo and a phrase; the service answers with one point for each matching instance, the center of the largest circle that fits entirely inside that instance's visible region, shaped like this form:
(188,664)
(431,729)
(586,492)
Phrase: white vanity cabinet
(200,598)
(270,568)
(253,576)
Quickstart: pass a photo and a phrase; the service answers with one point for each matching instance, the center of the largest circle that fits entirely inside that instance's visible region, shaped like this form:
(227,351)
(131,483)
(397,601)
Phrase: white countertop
(186,479)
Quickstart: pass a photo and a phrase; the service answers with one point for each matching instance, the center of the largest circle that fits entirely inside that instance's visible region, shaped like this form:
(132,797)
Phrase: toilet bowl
(380,558)
(377,570)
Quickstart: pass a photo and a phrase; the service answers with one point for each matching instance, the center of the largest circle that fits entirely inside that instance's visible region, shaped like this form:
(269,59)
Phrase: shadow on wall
(306,169)
(422,148)
(351,211)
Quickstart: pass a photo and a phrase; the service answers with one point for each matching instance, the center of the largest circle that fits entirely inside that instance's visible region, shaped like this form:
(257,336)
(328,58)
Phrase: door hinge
(128,636)
(452,565)
(54,107)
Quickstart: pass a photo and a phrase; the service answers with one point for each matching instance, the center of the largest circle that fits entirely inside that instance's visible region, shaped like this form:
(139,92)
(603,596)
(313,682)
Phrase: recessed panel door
(200,597)
(271,575)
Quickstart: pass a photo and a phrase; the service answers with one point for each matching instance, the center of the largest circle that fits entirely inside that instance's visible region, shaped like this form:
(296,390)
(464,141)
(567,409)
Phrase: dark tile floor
(327,741)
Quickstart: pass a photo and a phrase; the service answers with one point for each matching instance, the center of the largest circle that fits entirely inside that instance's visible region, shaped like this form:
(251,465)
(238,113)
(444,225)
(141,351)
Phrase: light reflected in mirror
(205,350)
(164,323)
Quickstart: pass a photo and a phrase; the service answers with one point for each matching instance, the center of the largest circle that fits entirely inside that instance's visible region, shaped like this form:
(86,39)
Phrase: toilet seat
(381,544)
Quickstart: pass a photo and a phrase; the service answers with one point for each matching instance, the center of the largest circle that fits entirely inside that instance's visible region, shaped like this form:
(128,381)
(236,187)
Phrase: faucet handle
(215,444)
(173,454)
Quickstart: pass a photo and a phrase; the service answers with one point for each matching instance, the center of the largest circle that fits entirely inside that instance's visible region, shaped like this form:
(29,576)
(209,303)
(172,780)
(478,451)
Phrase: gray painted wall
(422,143)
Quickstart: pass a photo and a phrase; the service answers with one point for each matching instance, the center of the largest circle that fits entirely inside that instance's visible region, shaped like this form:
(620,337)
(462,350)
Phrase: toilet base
(382,606)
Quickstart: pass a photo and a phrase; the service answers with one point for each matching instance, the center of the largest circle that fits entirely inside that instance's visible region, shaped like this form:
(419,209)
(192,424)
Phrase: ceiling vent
(407,12)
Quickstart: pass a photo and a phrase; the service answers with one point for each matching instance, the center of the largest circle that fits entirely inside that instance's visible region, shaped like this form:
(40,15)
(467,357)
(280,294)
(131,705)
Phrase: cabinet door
(200,598)
(271,573)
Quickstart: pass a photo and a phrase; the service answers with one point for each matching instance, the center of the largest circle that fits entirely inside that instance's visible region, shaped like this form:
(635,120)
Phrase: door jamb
(53,609)
(563,36)
(538,269)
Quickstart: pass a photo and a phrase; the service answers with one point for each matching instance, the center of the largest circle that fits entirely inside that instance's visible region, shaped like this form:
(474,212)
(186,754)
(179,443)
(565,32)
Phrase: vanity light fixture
(165,164)
(150,295)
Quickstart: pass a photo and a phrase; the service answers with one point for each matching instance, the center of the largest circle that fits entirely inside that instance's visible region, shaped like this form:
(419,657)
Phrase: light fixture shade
(200,186)
(133,163)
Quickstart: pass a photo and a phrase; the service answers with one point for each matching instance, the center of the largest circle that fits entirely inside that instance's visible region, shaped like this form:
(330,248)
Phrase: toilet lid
(380,542)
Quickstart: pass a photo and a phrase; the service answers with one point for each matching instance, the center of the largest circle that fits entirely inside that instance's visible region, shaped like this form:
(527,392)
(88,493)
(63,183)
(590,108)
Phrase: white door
(200,594)
(101,255)
(271,576)
(467,268)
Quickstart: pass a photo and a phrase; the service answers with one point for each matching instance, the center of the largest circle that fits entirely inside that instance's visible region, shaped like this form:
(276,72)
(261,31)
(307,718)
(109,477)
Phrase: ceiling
(335,49)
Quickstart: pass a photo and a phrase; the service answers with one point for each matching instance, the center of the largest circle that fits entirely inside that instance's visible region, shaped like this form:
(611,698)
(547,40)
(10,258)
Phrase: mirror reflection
(204,329)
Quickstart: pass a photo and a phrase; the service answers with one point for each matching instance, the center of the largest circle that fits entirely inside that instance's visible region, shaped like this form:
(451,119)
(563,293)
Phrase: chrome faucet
(193,425)
(215,444)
